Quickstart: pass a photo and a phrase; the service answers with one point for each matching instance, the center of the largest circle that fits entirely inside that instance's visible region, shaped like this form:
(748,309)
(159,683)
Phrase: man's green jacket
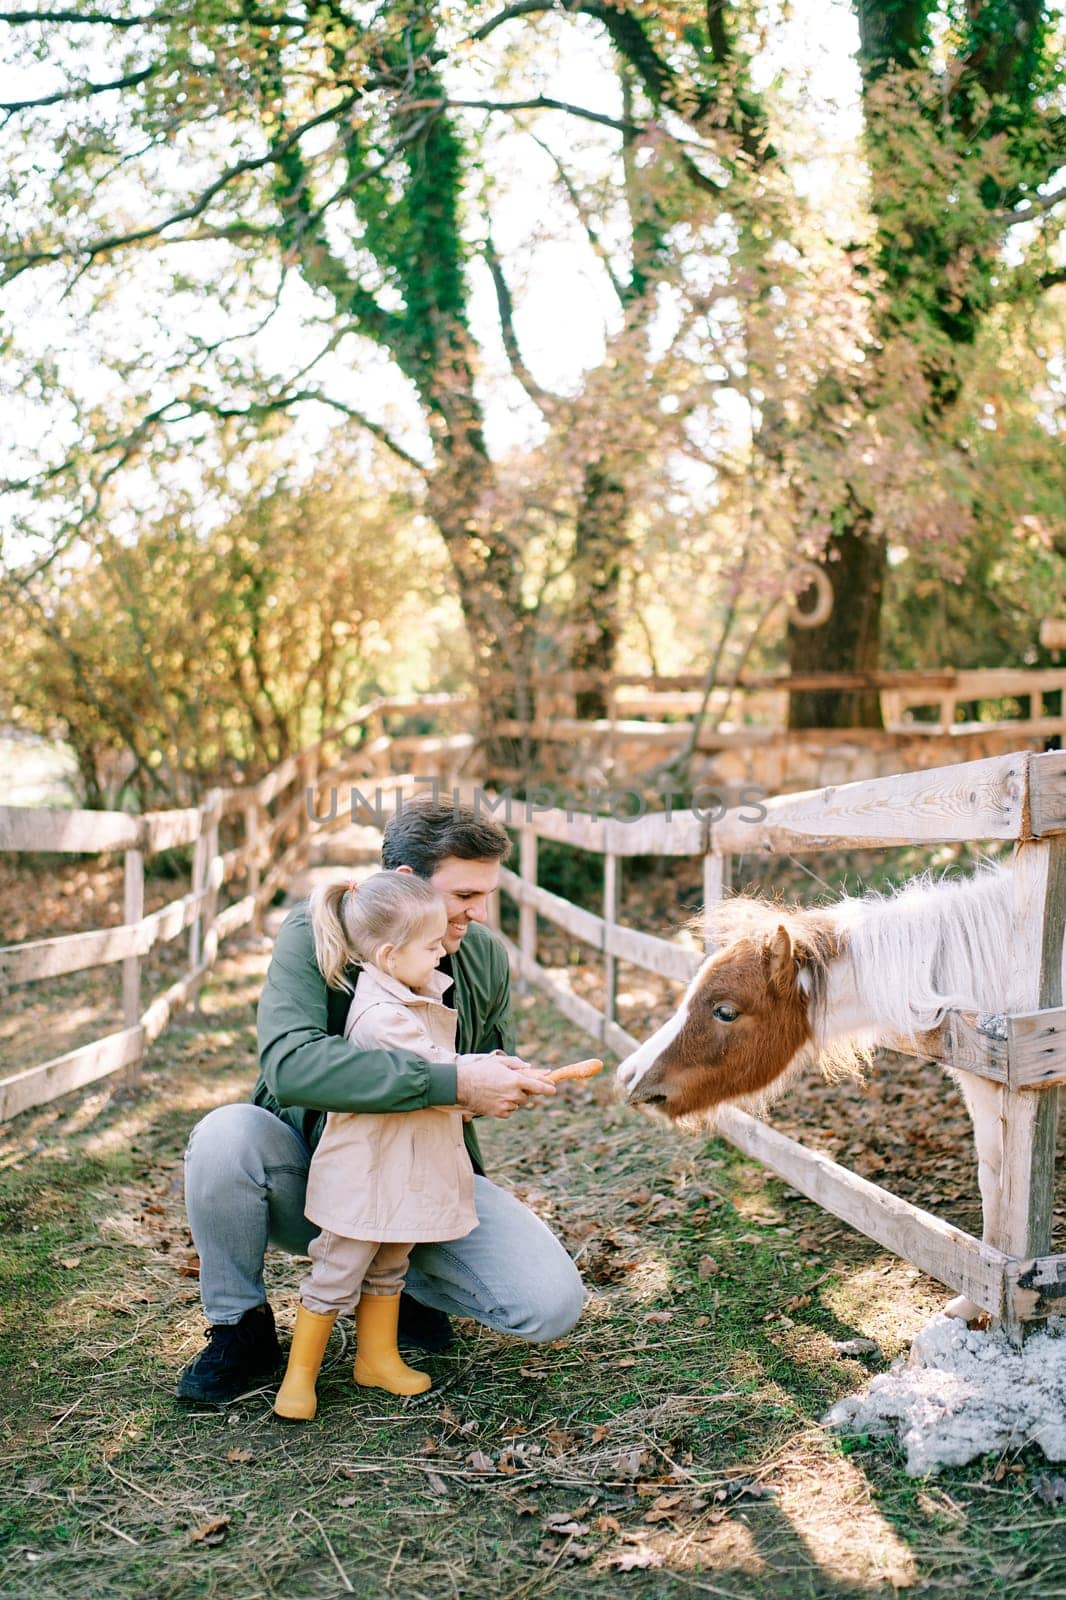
(307,1067)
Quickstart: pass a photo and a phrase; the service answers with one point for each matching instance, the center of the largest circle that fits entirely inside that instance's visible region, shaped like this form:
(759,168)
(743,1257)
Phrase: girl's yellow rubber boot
(378,1363)
(296,1398)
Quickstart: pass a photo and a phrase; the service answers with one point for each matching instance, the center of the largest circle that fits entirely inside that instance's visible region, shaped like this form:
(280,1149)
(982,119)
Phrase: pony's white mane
(931,946)
(892,964)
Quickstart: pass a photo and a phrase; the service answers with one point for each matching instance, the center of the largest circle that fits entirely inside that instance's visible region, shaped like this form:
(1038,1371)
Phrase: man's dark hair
(426,831)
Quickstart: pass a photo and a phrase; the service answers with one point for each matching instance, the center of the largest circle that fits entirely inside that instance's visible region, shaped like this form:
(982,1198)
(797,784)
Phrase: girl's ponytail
(332,949)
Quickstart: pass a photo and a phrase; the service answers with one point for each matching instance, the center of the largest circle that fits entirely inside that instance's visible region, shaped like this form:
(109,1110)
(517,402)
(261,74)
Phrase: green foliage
(183,657)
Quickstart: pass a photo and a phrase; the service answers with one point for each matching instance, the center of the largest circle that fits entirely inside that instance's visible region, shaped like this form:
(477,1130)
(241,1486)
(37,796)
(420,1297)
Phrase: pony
(785,987)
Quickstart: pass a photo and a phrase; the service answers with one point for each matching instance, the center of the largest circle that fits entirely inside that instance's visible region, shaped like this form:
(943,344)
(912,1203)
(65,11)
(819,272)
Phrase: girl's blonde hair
(350,923)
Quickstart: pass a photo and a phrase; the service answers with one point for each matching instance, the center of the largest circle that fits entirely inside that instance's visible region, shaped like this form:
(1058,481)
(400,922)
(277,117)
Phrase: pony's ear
(782,961)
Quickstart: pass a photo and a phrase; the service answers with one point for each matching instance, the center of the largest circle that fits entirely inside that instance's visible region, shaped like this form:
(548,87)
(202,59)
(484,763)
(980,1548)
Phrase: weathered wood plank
(643,950)
(235,916)
(75,952)
(653,954)
(1022,1224)
(1037,1048)
(579,1011)
(527,915)
(1037,1287)
(167,830)
(36,1086)
(72,952)
(961,1044)
(584,925)
(1047,793)
(974,800)
(81,832)
(274,782)
(612,890)
(163,1007)
(132,911)
(675,833)
(946,1253)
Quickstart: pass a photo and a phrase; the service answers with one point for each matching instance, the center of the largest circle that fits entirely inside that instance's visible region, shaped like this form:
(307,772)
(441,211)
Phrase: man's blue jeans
(245,1178)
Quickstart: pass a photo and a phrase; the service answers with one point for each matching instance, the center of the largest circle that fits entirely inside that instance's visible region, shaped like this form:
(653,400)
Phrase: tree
(326,152)
(961,137)
(181,658)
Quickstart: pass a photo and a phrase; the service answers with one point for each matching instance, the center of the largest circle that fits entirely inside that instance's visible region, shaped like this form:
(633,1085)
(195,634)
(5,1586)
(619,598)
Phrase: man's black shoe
(238,1357)
(423,1328)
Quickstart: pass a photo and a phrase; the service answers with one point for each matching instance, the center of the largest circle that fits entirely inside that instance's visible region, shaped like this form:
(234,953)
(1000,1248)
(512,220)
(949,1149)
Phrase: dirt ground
(669,1446)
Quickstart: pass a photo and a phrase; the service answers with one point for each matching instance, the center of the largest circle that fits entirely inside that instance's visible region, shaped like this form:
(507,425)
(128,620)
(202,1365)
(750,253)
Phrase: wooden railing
(276,818)
(1018,797)
(755,708)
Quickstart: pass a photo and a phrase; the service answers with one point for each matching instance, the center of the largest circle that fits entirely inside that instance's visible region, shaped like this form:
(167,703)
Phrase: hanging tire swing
(813,577)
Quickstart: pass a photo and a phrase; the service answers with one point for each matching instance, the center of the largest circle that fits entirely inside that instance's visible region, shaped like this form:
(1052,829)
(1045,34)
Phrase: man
(246,1165)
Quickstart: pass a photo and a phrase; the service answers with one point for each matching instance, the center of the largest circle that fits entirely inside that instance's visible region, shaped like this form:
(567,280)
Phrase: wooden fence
(755,709)
(275,823)
(1020,797)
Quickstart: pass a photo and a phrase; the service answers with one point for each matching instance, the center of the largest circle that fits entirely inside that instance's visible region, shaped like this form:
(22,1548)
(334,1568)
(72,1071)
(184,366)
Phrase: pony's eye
(725,1012)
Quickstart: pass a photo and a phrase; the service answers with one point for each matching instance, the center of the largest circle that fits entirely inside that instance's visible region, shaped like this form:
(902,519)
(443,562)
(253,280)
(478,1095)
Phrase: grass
(670,1446)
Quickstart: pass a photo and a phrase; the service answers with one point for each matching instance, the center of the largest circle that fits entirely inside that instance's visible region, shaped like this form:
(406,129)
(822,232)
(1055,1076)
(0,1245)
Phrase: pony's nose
(641,1085)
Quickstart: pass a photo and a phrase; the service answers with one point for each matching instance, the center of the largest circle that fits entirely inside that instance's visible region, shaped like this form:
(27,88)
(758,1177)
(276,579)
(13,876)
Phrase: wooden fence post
(1029,1116)
(199,884)
(309,810)
(132,911)
(717,879)
(527,914)
(251,849)
(212,873)
(611,897)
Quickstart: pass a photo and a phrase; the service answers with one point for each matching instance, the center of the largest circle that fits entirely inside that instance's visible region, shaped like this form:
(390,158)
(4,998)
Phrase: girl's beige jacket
(396,1177)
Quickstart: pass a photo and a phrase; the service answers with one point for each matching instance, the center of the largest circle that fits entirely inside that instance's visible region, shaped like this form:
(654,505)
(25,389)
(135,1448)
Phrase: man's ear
(405,869)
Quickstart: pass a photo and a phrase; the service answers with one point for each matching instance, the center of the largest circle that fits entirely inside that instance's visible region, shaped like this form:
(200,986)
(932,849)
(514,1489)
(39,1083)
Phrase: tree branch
(540,102)
(259,19)
(1035,207)
(598,246)
(195,209)
(80,91)
(547,402)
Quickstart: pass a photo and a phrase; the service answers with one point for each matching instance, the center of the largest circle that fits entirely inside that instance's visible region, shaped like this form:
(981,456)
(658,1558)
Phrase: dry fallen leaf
(238,1453)
(480,1461)
(707,1268)
(634,1560)
(212,1532)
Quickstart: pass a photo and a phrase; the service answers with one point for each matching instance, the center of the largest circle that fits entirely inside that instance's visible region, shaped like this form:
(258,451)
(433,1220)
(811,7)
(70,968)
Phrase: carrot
(577,1069)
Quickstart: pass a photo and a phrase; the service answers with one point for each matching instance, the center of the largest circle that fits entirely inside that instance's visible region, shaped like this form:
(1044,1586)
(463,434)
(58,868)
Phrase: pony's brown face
(743,1021)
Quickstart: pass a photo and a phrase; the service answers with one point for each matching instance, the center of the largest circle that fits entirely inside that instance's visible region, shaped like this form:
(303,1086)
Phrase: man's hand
(499,1085)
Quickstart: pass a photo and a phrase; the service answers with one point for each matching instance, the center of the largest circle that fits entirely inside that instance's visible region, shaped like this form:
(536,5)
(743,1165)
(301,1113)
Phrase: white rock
(963,1393)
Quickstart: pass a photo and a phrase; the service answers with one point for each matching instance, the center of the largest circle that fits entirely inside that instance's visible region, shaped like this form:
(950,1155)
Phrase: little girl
(379,1182)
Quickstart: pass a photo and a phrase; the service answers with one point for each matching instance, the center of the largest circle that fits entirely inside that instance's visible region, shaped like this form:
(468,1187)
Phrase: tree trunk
(850,640)
(599,559)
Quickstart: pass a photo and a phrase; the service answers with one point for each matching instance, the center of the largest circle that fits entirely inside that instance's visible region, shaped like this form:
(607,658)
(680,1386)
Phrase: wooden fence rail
(1020,797)
(276,816)
(763,698)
